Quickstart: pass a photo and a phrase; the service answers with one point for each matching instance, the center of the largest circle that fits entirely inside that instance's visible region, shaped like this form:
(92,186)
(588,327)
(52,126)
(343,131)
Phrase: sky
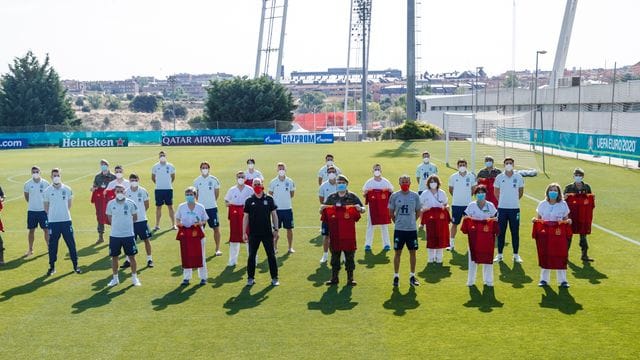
(117,39)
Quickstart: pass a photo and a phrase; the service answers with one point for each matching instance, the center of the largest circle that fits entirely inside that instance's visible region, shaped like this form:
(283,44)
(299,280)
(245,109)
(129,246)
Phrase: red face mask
(258,189)
(405,187)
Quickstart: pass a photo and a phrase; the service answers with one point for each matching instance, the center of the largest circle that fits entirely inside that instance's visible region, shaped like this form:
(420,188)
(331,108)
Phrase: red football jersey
(552,243)
(342,227)
(190,246)
(581,212)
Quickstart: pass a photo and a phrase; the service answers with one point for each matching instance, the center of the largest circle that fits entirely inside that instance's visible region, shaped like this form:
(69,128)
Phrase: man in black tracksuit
(1,242)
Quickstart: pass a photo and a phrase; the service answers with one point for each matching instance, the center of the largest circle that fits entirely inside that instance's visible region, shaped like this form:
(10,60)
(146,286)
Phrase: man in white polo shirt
(140,197)
(461,186)
(509,188)
(36,216)
(163,174)
(120,180)
(377,182)
(208,190)
(424,170)
(282,188)
(234,200)
(323,175)
(122,214)
(57,203)
(327,188)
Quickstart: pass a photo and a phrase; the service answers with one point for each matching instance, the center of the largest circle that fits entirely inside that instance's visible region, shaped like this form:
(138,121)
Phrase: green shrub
(416,130)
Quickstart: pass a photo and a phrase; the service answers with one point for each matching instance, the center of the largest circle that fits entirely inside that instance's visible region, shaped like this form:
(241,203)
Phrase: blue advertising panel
(10,143)
(196,140)
(277,139)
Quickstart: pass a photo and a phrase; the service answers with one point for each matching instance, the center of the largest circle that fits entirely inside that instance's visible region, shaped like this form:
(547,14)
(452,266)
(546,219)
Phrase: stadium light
(535,110)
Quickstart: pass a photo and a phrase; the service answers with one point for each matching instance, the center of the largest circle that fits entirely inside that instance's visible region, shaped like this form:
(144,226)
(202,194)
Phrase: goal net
(474,135)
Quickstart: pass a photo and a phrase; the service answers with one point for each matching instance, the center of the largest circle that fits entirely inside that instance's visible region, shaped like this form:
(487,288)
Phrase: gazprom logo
(273,139)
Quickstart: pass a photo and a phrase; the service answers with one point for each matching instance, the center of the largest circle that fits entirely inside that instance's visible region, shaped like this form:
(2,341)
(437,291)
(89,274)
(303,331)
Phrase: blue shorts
(285,219)
(324,229)
(457,212)
(35,218)
(213,218)
(141,230)
(164,197)
(128,244)
(402,238)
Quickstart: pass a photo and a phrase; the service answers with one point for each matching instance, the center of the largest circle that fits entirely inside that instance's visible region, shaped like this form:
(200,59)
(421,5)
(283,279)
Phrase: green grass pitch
(77,316)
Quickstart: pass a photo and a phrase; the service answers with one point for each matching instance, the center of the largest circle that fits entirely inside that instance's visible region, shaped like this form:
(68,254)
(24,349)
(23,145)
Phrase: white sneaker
(517,258)
(291,251)
(324,259)
(136,281)
(498,258)
(218,253)
(114,282)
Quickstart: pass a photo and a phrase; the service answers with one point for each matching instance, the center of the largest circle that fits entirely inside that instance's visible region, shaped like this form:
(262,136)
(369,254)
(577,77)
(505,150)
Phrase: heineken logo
(93,142)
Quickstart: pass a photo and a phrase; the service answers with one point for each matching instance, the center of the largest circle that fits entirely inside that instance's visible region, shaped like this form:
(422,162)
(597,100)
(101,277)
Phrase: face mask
(329,162)
(104,167)
(163,159)
(377,173)
(481,196)
(204,172)
(281,172)
(258,189)
(405,187)
(553,195)
(35,176)
(508,167)
(133,184)
(190,199)
(425,160)
(488,164)
(433,185)
(56,180)
(120,196)
(462,169)
(577,178)
(341,187)
(240,181)
(118,175)
(251,166)
(332,176)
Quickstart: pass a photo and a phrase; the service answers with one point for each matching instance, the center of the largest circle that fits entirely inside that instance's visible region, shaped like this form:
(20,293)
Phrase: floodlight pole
(411,60)
(535,96)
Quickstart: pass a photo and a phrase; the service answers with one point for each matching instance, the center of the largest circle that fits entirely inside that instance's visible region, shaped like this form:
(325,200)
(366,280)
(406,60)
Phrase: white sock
(127,258)
(134,275)
(149,257)
(326,253)
(116,278)
(412,274)
(396,275)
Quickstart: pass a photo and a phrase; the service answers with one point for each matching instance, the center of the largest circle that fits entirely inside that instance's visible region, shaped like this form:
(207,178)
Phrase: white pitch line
(608,231)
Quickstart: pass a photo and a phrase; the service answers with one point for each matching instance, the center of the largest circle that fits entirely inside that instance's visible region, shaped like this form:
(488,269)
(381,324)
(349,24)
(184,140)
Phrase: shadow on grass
(459,260)
(371,260)
(176,271)
(15,263)
(433,273)
(103,263)
(515,276)
(246,300)
(485,301)
(400,303)
(263,267)
(321,275)
(332,301)
(101,298)
(174,297)
(28,288)
(229,275)
(562,301)
(316,241)
(404,150)
(92,249)
(157,234)
(587,272)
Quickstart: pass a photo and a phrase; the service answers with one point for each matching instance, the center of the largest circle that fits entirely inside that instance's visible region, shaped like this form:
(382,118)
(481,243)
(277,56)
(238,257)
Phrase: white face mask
(377,172)
(56,180)
(329,162)
(433,185)
(426,160)
(251,166)
(118,176)
(35,176)
(163,159)
(133,184)
(508,167)
(332,176)
(240,181)
(281,172)
(462,169)
(120,196)
(204,172)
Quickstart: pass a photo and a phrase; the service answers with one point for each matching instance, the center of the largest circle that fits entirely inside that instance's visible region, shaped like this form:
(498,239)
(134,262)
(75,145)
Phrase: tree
(248,101)
(79,101)
(31,95)
(511,81)
(112,103)
(144,103)
(95,101)
(169,111)
(310,101)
